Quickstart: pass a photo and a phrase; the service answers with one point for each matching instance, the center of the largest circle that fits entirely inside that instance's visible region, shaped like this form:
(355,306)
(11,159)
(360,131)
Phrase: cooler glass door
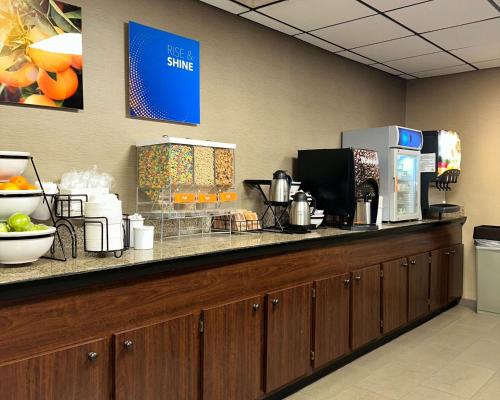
(406,185)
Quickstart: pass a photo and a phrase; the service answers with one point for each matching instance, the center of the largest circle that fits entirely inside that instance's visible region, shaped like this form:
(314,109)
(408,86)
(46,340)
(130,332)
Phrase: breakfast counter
(175,253)
(269,311)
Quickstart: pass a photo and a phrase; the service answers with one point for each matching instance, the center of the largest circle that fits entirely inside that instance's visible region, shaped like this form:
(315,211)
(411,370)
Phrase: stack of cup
(103,225)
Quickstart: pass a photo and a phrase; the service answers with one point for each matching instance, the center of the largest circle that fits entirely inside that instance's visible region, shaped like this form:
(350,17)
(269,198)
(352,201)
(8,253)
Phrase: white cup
(144,237)
(135,221)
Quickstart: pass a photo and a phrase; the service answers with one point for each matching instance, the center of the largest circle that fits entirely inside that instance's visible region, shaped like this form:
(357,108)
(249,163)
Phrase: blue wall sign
(164,75)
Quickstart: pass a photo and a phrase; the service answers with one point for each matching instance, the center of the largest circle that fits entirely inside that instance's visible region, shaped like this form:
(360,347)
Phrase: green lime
(4,227)
(40,227)
(19,222)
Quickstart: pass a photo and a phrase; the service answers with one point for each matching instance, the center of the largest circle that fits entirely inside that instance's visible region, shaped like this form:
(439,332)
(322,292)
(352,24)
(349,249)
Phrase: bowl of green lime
(22,241)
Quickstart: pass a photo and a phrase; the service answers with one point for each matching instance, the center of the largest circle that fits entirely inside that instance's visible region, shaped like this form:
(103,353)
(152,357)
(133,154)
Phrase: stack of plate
(103,223)
(317,217)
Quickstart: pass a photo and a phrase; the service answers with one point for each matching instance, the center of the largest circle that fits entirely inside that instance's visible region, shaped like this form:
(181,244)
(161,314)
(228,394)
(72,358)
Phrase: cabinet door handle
(453,251)
(404,264)
(92,356)
(347,281)
(128,344)
(276,302)
(413,262)
(357,278)
(256,306)
(447,253)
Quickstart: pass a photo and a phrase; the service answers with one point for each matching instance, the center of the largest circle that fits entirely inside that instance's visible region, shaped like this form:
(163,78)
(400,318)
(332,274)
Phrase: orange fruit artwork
(39,100)
(41,53)
(64,86)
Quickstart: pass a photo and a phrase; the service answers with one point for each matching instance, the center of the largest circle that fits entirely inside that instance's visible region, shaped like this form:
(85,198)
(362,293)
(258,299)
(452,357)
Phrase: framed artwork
(41,53)
(164,75)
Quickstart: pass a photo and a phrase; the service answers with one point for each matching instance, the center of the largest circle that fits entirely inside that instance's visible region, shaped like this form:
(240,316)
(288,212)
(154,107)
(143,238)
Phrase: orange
(20,181)
(64,86)
(77,61)
(24,76)
(39,100)
(49,61)
(10,186)
(31,187)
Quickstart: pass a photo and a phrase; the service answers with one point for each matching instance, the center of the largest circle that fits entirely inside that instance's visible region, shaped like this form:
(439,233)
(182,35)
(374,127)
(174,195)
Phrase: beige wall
(268,93)
(470,104)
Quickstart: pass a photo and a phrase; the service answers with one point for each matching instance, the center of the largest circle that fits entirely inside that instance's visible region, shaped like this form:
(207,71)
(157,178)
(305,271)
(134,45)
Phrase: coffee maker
(345,183)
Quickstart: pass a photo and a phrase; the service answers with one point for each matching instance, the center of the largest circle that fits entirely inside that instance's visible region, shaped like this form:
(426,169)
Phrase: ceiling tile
(314,14)
(318,42)
(407,77)
(269,22)
(443,71)
(355,57)
(226,5)
(256,3)
(486,52)
(467,35)
(385,68)
(362,32)
(385,5)
(488,64)
(440,14)
(424,63)
(396,49)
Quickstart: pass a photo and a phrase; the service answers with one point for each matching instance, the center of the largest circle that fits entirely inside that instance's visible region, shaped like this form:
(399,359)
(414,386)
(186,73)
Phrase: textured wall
(470,104)
(268,93)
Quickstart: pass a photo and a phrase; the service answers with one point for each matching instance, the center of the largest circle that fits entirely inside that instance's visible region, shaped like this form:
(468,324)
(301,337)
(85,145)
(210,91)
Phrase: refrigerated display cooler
(398,150)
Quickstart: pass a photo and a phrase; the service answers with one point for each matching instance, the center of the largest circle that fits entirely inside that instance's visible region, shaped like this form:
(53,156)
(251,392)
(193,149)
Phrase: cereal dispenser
(185,178)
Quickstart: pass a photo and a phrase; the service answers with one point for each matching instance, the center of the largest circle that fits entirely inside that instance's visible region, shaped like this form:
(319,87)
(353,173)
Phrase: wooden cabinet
(288,335)
(158,362)
(418,285)
(456,275)
(365,306)
(439,279)
(76,373)
(331,319)
(233,347)
(394,294)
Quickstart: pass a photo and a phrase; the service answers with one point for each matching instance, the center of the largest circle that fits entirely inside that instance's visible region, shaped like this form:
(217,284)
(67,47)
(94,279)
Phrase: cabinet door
(456,277)
(331,319)
(233,351)
(76,373)
(158,362)
(418,286)
(288,335)
(394,294)
(365,306)
(439,278)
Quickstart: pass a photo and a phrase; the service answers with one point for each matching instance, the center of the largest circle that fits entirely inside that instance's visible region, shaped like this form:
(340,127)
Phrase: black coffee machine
(440,166)
(345,183)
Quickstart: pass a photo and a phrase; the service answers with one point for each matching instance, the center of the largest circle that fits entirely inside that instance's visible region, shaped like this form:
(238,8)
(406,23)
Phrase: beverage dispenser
(441,158)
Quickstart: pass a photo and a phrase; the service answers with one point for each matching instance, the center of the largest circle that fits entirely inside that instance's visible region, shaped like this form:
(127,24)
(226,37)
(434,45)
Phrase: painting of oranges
(41,60)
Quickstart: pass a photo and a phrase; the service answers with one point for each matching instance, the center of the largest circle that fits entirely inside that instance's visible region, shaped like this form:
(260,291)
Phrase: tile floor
(454,356)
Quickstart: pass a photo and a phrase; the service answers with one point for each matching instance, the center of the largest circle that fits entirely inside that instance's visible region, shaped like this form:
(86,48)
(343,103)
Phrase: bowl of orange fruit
(13,163)
(18,195)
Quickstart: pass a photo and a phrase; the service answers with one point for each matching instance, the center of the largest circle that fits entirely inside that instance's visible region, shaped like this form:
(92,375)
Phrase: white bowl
(25,247)
(317,220)
(10,167)
(23,201)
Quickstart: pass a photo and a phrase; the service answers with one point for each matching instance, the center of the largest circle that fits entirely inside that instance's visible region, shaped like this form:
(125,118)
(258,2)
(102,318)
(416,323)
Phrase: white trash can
(487,241)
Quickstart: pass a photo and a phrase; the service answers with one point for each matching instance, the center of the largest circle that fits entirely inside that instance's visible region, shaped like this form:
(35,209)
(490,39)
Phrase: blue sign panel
(164,75)
(410,139)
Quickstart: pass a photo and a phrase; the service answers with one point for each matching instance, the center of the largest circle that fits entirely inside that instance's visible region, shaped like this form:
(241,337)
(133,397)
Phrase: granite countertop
(171,249)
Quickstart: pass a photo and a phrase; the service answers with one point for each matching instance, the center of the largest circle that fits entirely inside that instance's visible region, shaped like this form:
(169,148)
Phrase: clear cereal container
(177,162)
